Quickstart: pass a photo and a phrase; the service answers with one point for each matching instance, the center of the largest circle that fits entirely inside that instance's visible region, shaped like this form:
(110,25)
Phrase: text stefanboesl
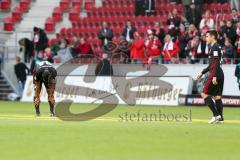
(158,116)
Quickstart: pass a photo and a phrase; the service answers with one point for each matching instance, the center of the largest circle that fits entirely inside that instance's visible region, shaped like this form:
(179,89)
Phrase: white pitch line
(46,118)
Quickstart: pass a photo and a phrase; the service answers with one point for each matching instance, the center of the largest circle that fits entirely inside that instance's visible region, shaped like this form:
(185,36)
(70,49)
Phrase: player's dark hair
(35,29)
(213,33)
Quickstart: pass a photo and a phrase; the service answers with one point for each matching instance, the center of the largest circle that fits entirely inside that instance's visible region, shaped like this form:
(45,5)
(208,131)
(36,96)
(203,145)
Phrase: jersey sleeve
(205,70)
(217,55)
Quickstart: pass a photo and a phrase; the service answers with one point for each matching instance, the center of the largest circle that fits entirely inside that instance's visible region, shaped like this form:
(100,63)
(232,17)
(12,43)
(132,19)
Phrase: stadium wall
(177,70)
(180,76)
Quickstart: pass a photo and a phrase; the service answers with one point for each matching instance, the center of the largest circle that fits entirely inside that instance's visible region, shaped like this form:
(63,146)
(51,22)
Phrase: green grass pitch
(26,137)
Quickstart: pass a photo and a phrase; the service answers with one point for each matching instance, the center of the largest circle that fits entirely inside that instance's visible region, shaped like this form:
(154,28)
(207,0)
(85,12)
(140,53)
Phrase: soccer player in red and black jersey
(213,88)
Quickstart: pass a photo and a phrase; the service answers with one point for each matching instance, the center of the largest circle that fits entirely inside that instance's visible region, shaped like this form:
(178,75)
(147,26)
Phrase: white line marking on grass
(46,118)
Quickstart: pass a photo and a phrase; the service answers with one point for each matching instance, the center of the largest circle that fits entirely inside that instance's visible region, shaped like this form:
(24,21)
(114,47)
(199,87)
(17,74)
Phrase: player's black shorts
(214,90)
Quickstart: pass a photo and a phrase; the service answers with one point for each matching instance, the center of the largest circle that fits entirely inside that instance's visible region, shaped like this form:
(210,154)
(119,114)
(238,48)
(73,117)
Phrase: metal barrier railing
(122,58)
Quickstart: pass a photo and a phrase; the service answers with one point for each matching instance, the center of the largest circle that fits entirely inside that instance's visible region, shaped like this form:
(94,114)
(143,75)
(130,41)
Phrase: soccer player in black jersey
(213,88)
(45,74)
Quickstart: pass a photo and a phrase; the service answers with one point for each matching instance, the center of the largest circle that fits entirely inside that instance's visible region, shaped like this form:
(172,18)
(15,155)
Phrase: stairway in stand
(5,88)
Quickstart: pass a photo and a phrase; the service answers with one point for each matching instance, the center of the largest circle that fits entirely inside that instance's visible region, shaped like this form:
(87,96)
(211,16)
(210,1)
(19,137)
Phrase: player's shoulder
(216,47)
(216,50)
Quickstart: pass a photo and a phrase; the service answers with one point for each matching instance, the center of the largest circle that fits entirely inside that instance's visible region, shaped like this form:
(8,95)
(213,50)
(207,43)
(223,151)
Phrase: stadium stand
(5,88)
(116,13)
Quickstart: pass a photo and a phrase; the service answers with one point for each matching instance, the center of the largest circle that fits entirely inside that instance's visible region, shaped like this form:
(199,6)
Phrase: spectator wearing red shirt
(84,48)
(137,48)
(170,50)
(153,45)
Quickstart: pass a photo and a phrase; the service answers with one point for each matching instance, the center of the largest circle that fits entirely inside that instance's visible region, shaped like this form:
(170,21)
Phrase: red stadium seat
(64,4)
(25,5)
(50,25)
(63,32)
(53,41)
(74,14)
(5,5)
(226,8)
(76,3)
(57,14)
(89,5)
(17,14)
(8,24)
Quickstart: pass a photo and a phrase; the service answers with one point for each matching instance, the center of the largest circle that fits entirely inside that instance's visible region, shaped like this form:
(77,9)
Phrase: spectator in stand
(235,16)
(192,32)
(139,7)
(207,22)
(231,32)
(84,48)
(237,74)
(170,50)
(137,49)
(61,45)
(158,30)
(61,51)
(104,67)
(228,51)
(27,47)
(21,71)
(1,59)
(221,32)
(123,46)
(40,40)
(74,44)
(203,49)
(186,2)
(55,40)
(152,45)
(176,1)
(48,55)
(150,7)
(75,41)
(173,23)
(238,43)
(192,14)
(185,22)
(222,1)
(198,6)
(192,48)
(183,41)
(128,31)
(105,35)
